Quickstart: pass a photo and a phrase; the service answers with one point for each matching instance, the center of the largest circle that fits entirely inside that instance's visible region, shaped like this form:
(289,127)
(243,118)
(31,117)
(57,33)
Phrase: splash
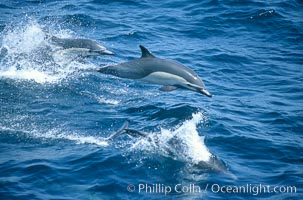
(29,74)
(24,39)
(27,54)
(105,100)
(183,143)
(57,134)
(74,137)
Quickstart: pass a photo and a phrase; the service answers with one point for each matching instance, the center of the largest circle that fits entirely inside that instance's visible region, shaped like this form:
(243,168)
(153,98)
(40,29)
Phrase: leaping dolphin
(171,74)
(85,47)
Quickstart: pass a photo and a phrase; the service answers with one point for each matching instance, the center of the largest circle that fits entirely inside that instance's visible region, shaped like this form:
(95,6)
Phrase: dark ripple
(173,113)
(70,7)
(39,169)
(6,6)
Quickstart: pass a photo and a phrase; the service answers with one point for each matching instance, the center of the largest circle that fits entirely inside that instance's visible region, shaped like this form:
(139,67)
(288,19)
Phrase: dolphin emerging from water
(172,75)
(84,47)
(212,164)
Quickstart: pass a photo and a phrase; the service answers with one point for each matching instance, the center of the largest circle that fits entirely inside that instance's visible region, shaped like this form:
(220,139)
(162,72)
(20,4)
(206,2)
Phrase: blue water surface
(56,113)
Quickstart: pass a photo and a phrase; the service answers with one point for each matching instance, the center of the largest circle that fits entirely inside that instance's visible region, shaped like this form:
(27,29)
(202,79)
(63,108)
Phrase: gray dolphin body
(85,47)
(172,75)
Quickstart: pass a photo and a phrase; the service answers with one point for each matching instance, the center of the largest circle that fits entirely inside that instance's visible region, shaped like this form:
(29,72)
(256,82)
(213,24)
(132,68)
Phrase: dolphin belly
(164,78)
(78,51)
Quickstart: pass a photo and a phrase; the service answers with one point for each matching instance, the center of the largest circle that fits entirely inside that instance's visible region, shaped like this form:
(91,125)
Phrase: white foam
(195,149)
(27,54)
(30,74)
(24,39)
(57,134)
(77,138)
(102,99)
(183,143)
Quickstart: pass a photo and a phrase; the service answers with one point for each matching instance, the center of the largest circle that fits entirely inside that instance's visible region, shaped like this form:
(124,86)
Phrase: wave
(183,144)
(52,135)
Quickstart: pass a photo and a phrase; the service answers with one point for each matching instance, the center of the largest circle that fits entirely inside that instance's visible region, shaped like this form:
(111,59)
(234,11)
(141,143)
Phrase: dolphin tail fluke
(126,130)
(119,132)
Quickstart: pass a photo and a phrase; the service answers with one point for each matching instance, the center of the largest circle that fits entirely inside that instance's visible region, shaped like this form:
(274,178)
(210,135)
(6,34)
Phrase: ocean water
(56,113)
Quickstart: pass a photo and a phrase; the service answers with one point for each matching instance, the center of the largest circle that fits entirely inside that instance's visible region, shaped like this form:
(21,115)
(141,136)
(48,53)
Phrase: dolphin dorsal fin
(145,52)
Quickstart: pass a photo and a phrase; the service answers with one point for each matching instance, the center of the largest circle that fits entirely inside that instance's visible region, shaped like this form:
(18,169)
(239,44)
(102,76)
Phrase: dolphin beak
(103,52)
(107,52)
(198,89)
(205,92)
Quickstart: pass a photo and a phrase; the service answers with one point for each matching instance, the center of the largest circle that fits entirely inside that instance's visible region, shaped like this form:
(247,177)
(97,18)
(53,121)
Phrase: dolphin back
(131,70)
(67,43)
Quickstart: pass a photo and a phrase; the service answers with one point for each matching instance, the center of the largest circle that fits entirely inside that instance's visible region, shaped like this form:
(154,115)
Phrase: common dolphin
(212,164)
(85,47)
(171,74)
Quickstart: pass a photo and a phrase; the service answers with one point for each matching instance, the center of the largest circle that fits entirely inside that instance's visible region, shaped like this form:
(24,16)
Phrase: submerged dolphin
(212,164)
(85,47)
(172,75)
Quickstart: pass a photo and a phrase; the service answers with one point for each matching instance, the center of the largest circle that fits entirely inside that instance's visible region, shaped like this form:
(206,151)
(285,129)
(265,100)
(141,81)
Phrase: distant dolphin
(213,164)
(85,47)
(172,75)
